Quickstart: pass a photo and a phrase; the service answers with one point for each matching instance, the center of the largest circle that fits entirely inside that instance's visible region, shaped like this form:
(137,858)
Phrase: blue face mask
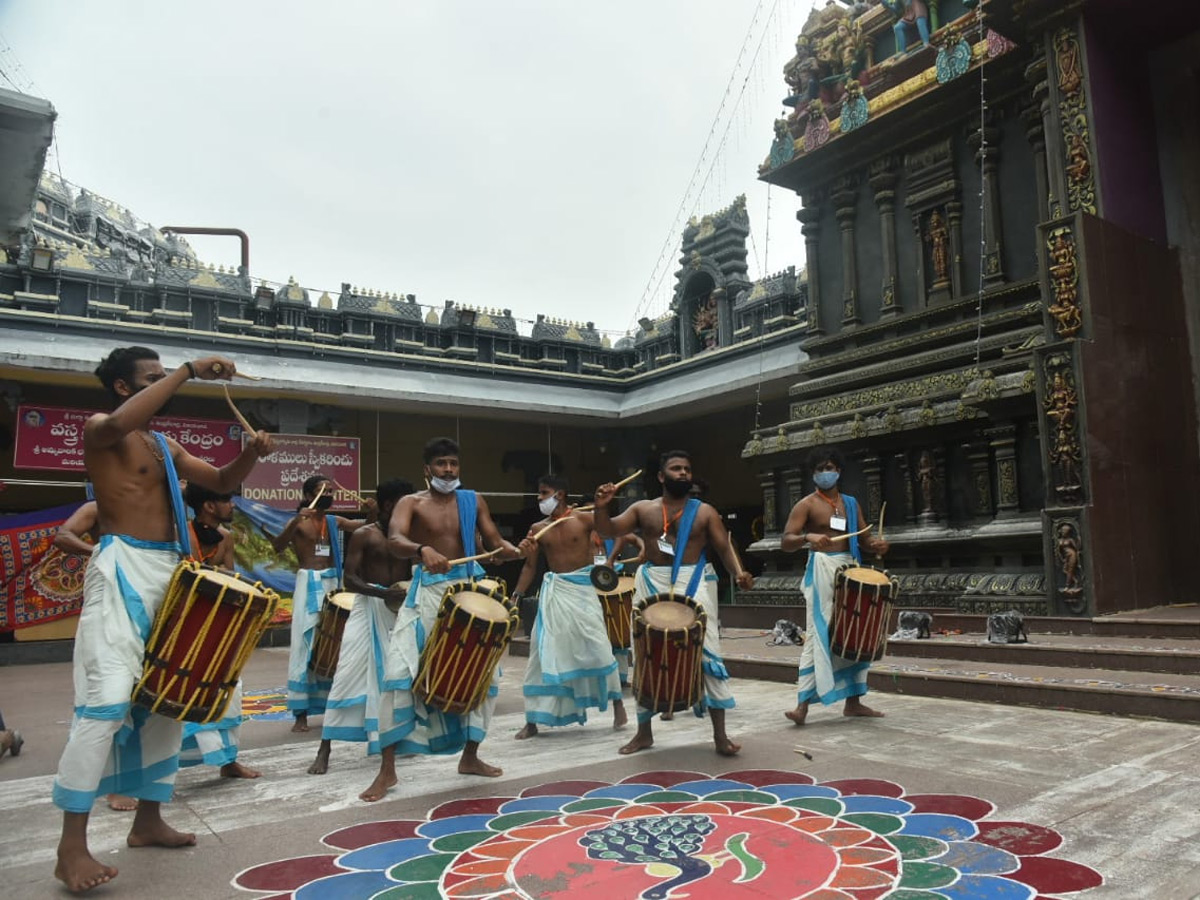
(825,480)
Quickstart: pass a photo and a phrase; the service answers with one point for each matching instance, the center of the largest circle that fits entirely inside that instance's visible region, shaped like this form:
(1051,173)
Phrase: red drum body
(207,625)
(462,652)
(668,635)
(618,613)
(327,639)
(862,607)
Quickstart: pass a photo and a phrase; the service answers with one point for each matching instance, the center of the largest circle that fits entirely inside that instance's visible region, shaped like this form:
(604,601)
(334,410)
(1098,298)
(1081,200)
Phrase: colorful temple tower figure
(997,244)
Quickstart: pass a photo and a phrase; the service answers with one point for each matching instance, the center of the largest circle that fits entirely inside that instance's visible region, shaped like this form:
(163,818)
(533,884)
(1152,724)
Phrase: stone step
(1175,622)
(1003,673)
(1062,650)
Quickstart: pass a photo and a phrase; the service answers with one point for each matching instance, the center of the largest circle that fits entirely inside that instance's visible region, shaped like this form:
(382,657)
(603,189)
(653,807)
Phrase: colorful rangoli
(671,835)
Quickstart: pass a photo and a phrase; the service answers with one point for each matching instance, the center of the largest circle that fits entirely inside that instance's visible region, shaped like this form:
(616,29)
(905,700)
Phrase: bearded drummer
(315,536)
(113,748)
(433,527)
(373,576)
(822,521)
(679,532)
(571,665)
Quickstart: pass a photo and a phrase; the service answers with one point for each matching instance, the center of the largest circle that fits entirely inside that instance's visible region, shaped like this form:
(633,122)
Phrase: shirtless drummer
(136,475)
(679,532)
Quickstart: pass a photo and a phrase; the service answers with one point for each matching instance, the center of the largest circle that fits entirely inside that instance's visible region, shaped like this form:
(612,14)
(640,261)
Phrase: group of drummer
(379,690)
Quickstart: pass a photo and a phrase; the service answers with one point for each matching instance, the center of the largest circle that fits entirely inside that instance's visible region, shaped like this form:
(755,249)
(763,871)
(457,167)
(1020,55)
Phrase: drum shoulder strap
(178,510)
(468,513)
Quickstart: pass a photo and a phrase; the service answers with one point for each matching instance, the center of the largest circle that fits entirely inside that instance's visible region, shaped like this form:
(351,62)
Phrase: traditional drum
(618,612)
(327,638)
(462,652)
(668,635)
(862,607)
(207,625)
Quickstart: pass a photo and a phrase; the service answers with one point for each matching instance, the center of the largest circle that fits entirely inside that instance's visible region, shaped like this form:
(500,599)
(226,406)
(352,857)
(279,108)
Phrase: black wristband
(419,549)
(191,369)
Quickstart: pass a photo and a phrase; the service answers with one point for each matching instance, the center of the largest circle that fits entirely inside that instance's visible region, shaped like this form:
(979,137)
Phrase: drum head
(491,586)
(605,579)
(481,606)
(668,615)
(402,586)
(867,575)
(342,599)
(626,584)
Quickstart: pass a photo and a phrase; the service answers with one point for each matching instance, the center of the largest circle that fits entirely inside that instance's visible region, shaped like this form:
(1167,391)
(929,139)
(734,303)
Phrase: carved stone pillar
(978,454)
(922,286)
(771,523)
(798,487)
(846,212)
(954,220)
(883,182)
(1035,131)
(1076,152)
(989,163)
(1004,469)
(810,227)
(910,506)
(873,476)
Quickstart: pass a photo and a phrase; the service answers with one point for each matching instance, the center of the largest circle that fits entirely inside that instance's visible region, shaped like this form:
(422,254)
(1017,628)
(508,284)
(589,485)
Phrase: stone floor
(1120,791)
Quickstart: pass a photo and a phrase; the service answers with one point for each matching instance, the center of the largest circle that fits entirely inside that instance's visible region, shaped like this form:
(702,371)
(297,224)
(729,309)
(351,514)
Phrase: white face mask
(442,486)
(548,506)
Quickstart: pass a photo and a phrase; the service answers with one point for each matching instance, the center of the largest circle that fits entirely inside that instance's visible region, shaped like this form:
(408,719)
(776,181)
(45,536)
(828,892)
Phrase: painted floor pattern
(762,833)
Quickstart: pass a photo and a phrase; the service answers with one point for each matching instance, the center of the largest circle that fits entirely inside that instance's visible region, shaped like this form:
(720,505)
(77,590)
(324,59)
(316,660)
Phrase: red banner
(49,437)
(41,583)
(279,479)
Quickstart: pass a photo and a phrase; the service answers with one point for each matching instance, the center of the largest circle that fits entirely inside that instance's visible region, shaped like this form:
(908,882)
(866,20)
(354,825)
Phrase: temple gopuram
(999,215)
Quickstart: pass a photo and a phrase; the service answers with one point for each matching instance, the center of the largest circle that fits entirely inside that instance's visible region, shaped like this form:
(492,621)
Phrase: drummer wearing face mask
(826,521)
(315,536)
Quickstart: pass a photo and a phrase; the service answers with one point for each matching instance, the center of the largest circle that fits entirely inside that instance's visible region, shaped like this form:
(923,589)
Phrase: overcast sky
(529,154)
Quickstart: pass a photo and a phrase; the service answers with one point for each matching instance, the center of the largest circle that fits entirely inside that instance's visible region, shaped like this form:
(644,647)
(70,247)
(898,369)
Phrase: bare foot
(477,766)
(528,731)
(726,747)
(121,803)
(799,714)
(639,742)
(320,765)
(855,707)
(667,716)
(236,770)
(80,872)
(378,789)
(159,834)
(301,725)
(620,717)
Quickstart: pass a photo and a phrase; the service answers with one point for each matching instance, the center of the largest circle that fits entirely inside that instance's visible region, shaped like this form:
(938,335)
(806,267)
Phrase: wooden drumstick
(882,510)
(320,491)
(843,537)
(242,420)
(620,484)
(467,559)
(354,495)
(574,509)
(217,369)
(802,752)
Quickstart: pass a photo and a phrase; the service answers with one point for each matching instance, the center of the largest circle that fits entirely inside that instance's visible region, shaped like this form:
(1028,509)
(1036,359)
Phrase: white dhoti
(823,676)
(404,719)
(571,664)
(214,744)
(307,693)
(352,711)
(113,747)
(652,579)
